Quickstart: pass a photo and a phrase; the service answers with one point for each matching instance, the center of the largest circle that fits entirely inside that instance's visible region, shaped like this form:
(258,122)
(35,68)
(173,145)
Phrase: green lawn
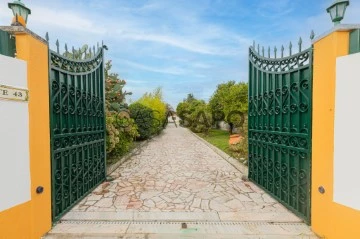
(218,138)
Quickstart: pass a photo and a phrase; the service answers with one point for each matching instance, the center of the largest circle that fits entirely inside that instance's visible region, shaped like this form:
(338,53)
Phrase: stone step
(175,230)
(243,216)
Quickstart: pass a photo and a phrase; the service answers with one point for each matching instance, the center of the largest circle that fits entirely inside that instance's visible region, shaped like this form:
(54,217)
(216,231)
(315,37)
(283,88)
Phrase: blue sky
(184,46)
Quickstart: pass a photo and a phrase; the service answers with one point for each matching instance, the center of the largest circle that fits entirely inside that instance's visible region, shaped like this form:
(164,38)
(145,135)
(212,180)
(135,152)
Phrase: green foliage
(231,98)
(81,53)
(220,139)
(190,97)
(114,95)
(182,110)
(194,114)
(155,102)
(241,149)
(200,117)
(121,130)
(229,103)
(143,117)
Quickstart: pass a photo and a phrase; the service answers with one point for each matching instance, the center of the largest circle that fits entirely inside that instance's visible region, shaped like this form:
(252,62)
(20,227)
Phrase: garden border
(234,162)
(110,169)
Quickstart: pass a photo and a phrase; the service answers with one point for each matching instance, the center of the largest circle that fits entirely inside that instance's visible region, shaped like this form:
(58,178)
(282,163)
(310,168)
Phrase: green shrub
(194,114)
(144,119)
(200,119)
(158,106)
(241,149)
(121,131)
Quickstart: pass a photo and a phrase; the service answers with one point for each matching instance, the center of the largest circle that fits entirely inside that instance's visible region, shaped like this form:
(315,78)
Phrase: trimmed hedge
(144,119)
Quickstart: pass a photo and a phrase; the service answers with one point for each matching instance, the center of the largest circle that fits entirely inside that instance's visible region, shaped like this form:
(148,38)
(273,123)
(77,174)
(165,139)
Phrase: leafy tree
(144,119)
(194,114)
(155,102)
(121,130)
(114,95)
(190,97)
(231,98)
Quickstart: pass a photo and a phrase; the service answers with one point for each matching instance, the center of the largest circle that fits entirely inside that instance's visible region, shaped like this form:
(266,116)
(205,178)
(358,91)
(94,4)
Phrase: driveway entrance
(176,179)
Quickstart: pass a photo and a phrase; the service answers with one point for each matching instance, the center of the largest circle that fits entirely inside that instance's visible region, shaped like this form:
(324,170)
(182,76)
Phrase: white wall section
(14,137)
(347,132)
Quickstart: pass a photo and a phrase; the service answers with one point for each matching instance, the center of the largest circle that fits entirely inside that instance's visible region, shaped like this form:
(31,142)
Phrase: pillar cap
(337,28)
(22,30)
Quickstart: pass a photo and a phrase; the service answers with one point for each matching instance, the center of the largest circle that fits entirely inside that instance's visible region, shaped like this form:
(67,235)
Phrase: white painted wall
(14,138)
(347,132)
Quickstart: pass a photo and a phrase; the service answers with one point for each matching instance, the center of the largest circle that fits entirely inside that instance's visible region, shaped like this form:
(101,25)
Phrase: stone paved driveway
(176,172)
(178,179)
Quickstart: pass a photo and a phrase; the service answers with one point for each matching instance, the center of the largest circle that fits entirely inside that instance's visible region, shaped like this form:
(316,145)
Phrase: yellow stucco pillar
(329,219)
(33,219)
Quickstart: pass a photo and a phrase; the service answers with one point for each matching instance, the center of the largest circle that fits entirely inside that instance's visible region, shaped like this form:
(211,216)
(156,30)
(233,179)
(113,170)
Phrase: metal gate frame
(77,123)
(280,114)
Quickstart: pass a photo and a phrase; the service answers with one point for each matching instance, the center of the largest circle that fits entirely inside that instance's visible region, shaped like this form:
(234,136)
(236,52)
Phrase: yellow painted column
(15,223)
(33,219)
(329,219)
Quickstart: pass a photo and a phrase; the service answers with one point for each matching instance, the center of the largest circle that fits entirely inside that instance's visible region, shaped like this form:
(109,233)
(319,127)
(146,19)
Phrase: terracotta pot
(235,139)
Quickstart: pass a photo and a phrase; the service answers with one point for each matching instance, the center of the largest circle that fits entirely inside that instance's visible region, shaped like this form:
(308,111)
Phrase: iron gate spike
(73,52)
(258,49)
(275,50)
(57,46)
(269,52)
(290,48)
(312,35)
(300,44)
(66,48)
(282,51)
(47,36)
(263,51)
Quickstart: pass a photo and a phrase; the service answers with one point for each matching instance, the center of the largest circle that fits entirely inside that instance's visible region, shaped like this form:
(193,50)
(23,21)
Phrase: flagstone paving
(176,172)
(177,179)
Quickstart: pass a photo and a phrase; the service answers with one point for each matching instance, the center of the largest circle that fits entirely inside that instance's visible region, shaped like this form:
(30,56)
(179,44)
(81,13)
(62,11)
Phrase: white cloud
(163,70)
(271,9)
(70,20)
(191,35)
(170,40)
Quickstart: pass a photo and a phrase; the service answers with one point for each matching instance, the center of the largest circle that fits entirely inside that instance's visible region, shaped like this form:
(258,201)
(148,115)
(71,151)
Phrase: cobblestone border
(234,162)
(134,151)
(110,169)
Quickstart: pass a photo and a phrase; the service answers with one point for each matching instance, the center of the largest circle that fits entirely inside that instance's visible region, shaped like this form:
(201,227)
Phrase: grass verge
(220,139)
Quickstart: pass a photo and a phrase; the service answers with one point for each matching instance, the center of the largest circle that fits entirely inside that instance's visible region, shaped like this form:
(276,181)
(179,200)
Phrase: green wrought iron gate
(280,106)
(77,125)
